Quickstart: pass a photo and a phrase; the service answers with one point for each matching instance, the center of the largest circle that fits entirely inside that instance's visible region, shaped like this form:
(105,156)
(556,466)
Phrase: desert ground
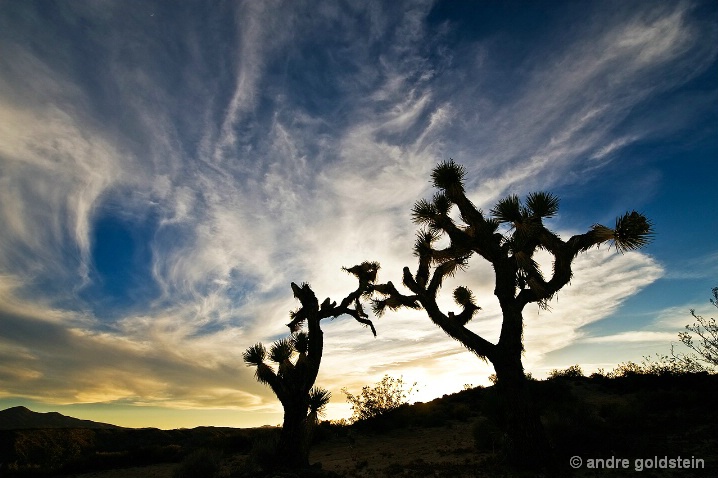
(442,451)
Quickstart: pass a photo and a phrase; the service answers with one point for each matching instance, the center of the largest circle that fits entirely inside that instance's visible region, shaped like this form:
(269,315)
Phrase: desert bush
(491,406)
(662,365)
(400,417)
(323,431)
(626,369)
(237,443)
(47,449)
(202,462)
(701,338)
(551,394)
(487,435)
(461,411)
(387,394)
(703,342)
(574,371)
(264,450)
(575,427)
(431,414)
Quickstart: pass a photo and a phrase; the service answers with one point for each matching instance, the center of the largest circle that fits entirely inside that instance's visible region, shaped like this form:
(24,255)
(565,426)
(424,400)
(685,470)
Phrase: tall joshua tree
(519,281)
(293,381)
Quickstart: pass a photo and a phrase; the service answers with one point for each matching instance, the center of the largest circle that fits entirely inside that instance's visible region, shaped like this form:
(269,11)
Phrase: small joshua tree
(519,281)
(293,381)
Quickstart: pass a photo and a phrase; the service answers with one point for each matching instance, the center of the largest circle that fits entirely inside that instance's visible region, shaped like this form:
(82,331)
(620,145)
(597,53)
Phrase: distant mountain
(20,418)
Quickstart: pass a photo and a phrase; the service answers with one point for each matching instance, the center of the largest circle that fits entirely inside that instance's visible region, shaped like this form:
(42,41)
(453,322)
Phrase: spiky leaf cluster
(425,238)
(538,205)
(542,204)
(448,175)
(318,400)
(508,210)
(280,353)
(430,213)
(255,355)
(463,296)
(424,212)
(281,350)
(632,232)
(525,219)
(365,272)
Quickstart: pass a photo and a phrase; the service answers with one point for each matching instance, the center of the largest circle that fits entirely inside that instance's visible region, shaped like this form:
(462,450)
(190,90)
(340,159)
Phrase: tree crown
(508,237)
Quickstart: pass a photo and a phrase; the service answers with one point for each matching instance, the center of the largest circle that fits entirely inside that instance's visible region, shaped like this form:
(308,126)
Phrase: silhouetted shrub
(627,369)
(387,394)
(238,443)
(264,450)
(575,427)
(574,371)
(431,414)
(492,407)
(461,411)
(391,420)
(200,463)
(323,432)
(704,344)
(487,435)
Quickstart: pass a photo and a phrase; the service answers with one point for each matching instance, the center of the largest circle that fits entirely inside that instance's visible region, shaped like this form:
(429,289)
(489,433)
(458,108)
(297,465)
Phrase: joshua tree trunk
(529,446)
(293,449)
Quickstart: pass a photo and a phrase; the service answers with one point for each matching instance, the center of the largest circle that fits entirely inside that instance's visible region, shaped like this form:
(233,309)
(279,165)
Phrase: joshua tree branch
(469,213)
(358,316)
(454,327)
(313,313)
(452,324)
(564,253)
(393,299)
(466,315)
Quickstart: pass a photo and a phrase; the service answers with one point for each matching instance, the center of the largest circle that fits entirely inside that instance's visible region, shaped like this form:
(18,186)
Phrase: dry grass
(406,452)
(441,451)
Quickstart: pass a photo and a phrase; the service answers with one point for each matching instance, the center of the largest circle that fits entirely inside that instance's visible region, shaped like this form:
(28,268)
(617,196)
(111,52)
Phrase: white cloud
(265,187)
(565,108)
(634,336)
(602,280)
(53,174)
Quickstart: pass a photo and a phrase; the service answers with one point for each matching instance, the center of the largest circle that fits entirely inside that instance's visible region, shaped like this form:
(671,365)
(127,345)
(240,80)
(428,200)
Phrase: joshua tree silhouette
(519,281)
(293,381)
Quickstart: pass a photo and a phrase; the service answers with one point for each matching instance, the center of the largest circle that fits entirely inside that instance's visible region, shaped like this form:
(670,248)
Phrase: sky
(167,169)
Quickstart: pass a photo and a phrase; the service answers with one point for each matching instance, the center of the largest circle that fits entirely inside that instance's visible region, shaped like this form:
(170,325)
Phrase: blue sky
(168,168)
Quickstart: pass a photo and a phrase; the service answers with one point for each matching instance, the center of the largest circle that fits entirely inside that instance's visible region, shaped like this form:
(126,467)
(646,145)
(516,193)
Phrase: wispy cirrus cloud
(276,142)
(55,167)
(564,110)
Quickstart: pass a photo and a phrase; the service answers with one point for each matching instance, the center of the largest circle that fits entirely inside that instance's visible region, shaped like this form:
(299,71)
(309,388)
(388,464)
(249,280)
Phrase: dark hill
(21,418)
